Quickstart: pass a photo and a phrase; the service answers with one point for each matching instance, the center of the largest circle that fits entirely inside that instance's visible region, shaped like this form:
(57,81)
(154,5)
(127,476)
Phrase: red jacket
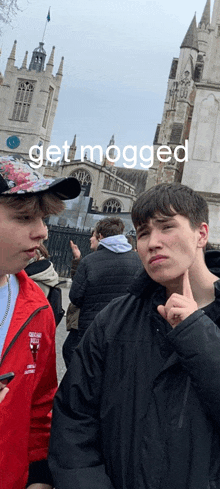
(29,352)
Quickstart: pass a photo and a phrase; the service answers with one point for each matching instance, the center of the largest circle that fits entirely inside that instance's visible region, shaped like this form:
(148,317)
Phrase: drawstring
(188,381)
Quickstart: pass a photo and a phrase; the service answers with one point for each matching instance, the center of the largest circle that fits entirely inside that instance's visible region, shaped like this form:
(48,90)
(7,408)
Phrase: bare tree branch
(8,9)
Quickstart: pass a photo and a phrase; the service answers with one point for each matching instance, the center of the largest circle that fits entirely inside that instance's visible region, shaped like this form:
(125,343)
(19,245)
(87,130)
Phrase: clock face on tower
(13,142)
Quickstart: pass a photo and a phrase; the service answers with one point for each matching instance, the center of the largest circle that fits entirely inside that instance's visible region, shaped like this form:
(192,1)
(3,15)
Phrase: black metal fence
(59,247)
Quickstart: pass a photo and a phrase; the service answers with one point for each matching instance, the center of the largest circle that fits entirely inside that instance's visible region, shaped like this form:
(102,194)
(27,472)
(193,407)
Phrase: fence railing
(59,247)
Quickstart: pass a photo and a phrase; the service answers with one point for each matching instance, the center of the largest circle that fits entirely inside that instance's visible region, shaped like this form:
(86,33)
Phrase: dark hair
(109,226)
(168,200)
(40,202)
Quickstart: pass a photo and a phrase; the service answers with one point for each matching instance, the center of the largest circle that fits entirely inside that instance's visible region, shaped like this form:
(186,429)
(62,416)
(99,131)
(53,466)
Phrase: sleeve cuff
(39,472)
(185,323)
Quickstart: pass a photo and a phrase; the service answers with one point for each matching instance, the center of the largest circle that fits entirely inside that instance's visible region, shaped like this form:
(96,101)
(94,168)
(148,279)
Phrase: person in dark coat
(72,313)
(102,275)
(139,407)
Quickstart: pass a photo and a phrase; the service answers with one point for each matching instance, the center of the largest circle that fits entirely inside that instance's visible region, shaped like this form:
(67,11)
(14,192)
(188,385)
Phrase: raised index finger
(187,291)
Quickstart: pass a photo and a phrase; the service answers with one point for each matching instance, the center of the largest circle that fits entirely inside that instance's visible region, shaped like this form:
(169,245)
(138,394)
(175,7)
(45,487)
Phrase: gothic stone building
(106,189)
(28,102)
(192,112)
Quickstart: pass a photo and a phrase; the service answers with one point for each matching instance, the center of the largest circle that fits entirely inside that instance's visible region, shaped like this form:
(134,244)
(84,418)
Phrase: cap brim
(65,188)
(18,177)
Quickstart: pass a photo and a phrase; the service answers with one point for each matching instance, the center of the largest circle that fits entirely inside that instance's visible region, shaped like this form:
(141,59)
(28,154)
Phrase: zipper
(20,331)
(185,398)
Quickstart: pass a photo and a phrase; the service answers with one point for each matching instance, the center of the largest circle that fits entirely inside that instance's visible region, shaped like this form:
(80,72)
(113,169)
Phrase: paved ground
(61,334)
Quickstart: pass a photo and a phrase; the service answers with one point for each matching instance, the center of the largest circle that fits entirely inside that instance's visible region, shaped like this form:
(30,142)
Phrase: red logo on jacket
(34,343)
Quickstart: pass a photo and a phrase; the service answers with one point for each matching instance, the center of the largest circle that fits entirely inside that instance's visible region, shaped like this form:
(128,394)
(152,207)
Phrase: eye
(143,233)
(24,218)
(167,226)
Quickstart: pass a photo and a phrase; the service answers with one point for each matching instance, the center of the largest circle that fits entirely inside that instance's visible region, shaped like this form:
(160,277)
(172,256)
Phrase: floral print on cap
(18,176)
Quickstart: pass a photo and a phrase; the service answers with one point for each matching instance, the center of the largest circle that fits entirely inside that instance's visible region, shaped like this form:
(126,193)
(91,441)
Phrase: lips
(157,259)
(31,252)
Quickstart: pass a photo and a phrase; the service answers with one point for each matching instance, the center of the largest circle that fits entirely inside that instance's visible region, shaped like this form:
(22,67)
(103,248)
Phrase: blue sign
(13,142)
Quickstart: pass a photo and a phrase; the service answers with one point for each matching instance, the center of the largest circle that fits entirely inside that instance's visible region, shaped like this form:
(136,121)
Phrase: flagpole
(47,20)
(44,31)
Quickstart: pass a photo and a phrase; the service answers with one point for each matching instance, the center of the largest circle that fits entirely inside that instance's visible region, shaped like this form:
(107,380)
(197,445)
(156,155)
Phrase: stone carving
(185,83)
(173,95)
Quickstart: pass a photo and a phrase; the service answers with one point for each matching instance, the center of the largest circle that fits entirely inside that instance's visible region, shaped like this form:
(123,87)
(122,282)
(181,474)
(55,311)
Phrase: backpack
(55,299)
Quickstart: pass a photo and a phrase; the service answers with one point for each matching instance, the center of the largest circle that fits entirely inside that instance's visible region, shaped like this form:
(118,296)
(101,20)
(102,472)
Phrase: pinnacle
(191,38)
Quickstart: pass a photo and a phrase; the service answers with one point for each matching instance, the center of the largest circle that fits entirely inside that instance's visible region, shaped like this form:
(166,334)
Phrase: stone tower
(192,112)
(28,102)
(185,74)
(202,170)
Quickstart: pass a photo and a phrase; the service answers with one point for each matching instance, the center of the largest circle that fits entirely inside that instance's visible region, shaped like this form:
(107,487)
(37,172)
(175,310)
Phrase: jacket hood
(43,271)
(212,259)
(117,243)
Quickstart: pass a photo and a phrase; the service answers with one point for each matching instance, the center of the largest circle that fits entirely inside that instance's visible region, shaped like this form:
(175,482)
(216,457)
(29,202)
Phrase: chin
(166,277)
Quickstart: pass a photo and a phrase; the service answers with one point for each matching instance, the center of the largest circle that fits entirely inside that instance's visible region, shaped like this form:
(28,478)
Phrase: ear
(100,237)
(203,231)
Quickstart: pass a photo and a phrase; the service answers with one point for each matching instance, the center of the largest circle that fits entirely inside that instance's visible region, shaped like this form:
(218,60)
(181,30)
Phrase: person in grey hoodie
(42,271)
(104,274)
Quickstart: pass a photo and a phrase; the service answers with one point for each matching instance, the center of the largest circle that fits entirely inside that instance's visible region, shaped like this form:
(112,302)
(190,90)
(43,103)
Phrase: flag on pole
(48,16)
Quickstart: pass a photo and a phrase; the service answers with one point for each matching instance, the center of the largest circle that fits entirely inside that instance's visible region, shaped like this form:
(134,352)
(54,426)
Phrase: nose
(154,241)
(38,230)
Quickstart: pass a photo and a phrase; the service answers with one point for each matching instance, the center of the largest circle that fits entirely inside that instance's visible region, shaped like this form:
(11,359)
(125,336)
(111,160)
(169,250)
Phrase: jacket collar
(142,284)
(30,299)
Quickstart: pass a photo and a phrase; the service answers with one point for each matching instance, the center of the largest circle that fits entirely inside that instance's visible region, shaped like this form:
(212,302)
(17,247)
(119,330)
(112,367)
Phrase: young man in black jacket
(102,275)
(139,407)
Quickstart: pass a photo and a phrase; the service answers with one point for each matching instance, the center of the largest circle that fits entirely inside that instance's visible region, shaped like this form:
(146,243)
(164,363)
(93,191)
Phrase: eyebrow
(164,218)
(156,219)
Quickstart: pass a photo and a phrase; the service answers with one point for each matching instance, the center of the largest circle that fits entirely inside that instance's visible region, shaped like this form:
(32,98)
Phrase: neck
(3,280)
(201,281)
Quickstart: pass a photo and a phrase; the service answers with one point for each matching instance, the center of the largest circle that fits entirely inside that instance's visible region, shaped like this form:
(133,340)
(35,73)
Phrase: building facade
(28,102)
(191,116)
(106,189)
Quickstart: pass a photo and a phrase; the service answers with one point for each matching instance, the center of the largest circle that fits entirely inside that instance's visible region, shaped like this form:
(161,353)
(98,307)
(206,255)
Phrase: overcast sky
(117,61)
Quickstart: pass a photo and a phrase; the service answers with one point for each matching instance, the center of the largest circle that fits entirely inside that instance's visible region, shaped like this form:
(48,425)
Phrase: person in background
(42,271)
(132,241)
(27,327)
(139,406)
(72,314)
(105,274)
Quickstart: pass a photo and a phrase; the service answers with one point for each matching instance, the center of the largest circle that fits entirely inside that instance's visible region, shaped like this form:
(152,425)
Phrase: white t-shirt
(14,284)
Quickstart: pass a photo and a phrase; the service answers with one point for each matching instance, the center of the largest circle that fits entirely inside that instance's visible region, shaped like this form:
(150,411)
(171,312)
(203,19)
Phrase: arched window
(23,101)
(83,176)
(111,206)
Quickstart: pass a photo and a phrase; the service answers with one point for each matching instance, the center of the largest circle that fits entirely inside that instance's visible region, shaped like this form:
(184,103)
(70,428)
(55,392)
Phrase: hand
(179,307)
(38,485)
(75,250)
(3,393)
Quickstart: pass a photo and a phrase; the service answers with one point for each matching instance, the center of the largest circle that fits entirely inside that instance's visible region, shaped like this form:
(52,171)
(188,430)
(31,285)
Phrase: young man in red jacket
(27,327)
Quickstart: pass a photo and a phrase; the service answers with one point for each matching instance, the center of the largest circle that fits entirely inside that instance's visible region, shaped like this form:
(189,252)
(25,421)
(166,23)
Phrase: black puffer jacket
(139,407)
(100,277)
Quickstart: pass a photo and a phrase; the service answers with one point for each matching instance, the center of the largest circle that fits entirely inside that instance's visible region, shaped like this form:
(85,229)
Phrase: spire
(206,15)
(72,150)
(112,150)
(74,141)
(13,51)
(191,38)
(60,69)
(51,58)
(112,141)
(24,64)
